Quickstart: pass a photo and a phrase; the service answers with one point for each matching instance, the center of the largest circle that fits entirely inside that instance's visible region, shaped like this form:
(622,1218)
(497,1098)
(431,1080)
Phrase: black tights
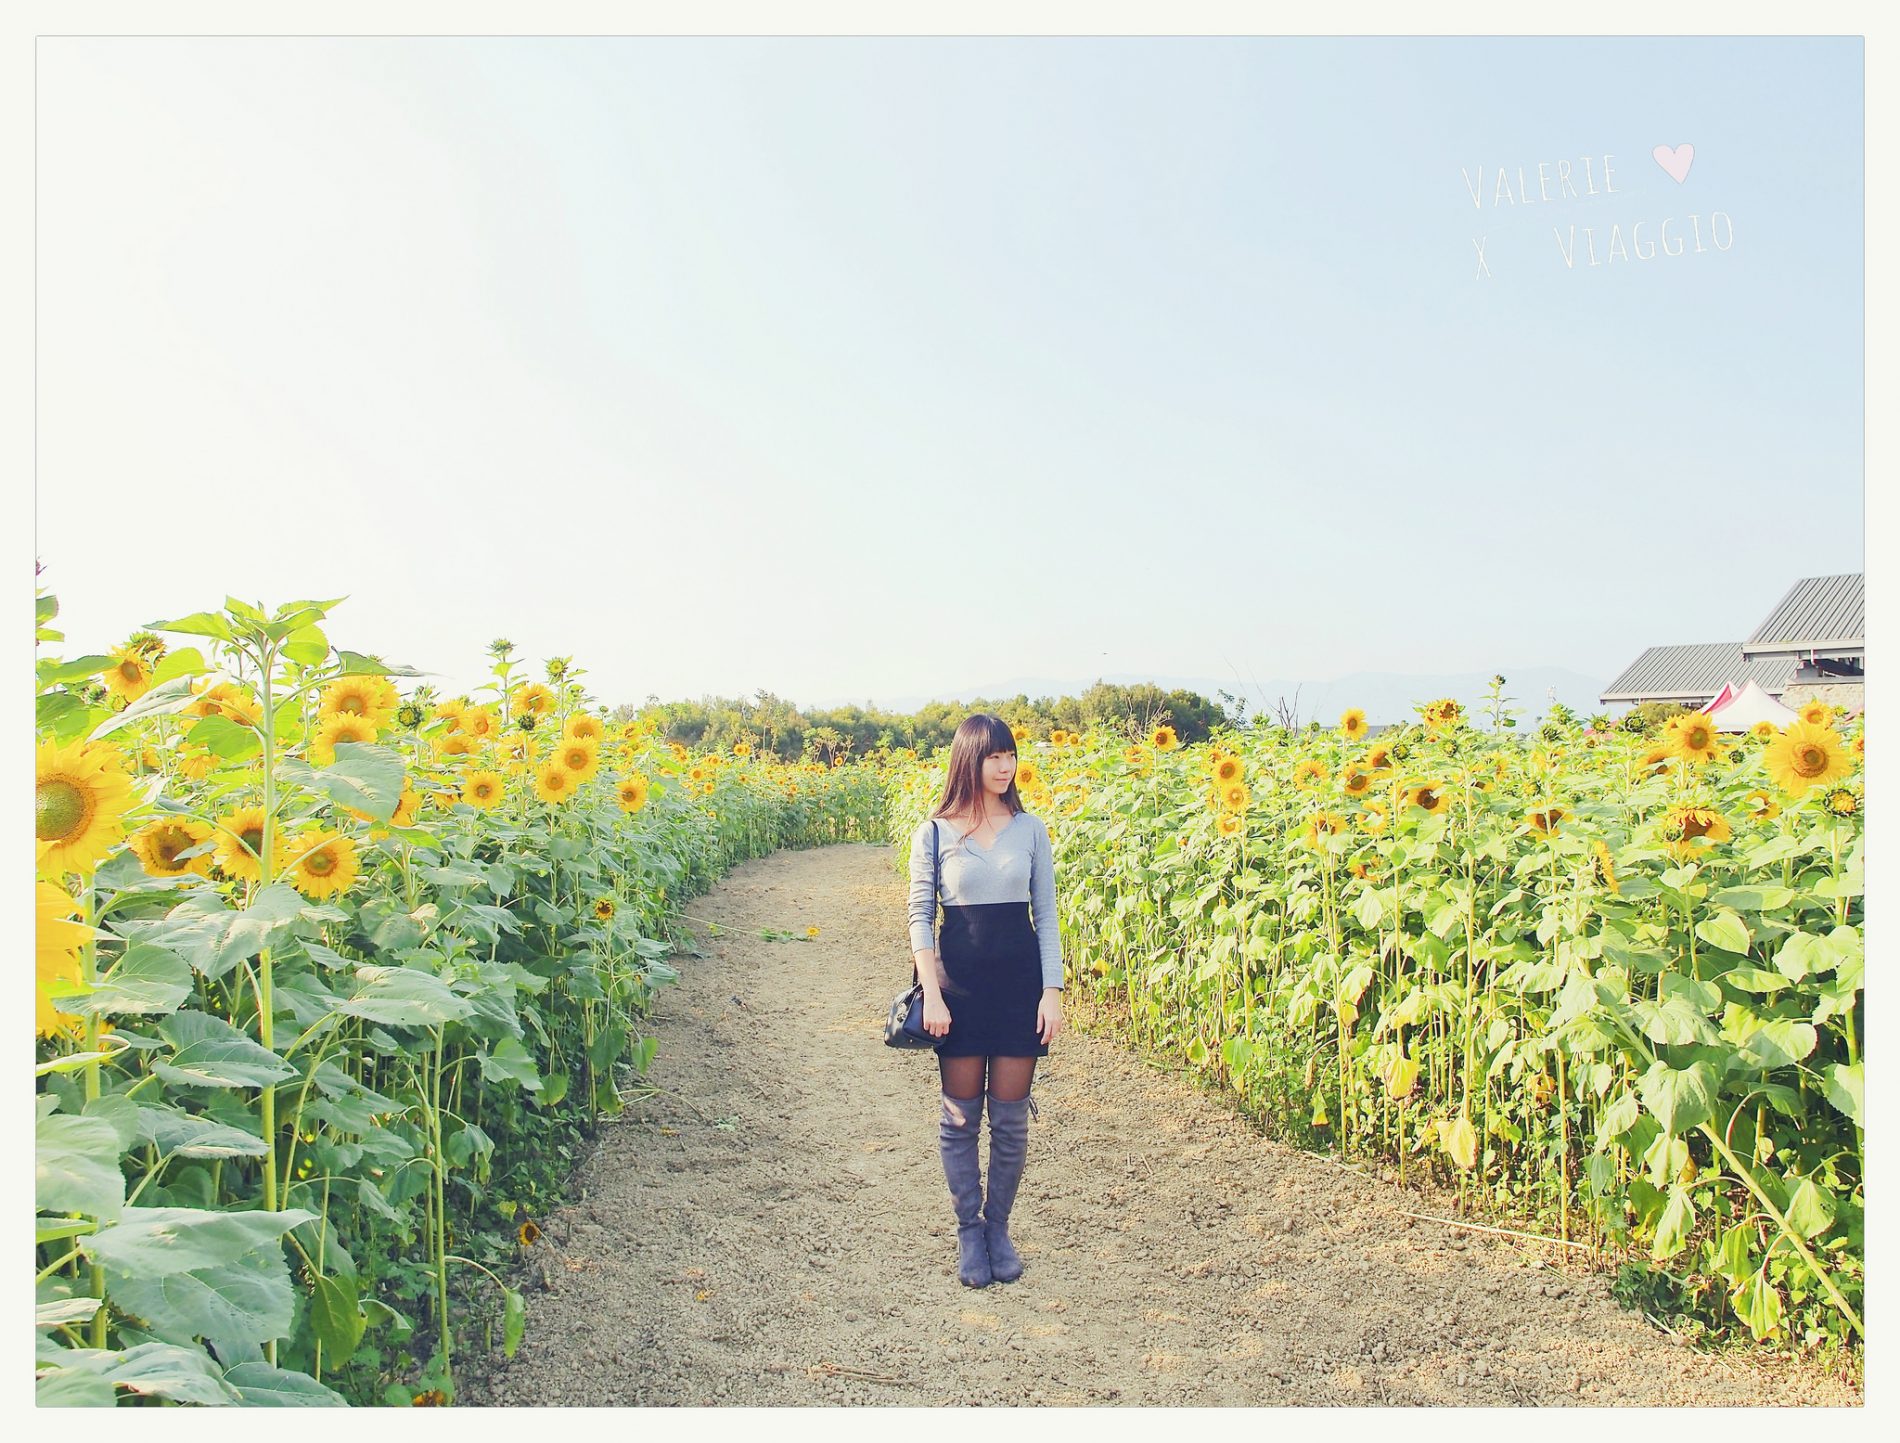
(1009,1076)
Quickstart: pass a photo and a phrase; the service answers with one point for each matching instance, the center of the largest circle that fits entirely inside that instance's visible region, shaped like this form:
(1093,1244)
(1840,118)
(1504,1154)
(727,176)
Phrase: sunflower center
(353,705)
(168,843)
(61,810)
(1810,760)
(252,840)
(131,670)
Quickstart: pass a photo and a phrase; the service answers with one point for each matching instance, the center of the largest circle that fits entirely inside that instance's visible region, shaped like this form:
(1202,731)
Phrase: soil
(770,1226)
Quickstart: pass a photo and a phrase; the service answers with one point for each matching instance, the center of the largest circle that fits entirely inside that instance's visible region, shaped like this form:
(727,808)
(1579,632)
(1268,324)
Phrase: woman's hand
(1049,1015)
(936,1015)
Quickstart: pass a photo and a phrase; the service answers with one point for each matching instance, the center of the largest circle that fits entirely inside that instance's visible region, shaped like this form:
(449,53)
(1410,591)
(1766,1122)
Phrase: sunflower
(1320,826)
(1760,806)
(1763,730)
(528,1234)
(337,728)
(1366,869)
(456,744)
(1434,797)
(1230,824)
(1163,739)
(533,699)
(1692,736)
(1134,756)
(1655,761)
(411,715)
(241,842)
(1806,755)
(1309,774)
(325,864)
(554,782)
(1354,780)
(196,766)
(480,722)
(158,846)
(1688,831)
(1605,868)
(1815,713)
(742,749)
(604,910)
(128,673)
(483,789)
(1441,714)
(1843,801)
(1020,733)
(811,931)
(1228,768)
(372,698)
(1353,723)
(56,944)
(451,711)
(696,774)
(1378,757)
(1544,819)
(582,758)
(80,798)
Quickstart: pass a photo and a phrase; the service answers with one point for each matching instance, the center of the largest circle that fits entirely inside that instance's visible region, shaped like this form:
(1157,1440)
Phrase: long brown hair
(978,735)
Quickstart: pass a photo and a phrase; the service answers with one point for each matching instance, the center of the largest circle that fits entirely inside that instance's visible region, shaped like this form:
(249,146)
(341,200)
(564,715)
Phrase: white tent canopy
(1738,709)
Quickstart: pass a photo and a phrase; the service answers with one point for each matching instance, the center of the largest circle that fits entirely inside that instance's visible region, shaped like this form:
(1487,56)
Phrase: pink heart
(1677,161)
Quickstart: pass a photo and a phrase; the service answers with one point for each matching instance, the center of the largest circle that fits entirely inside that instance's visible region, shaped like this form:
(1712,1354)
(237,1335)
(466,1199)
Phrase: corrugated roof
(1696,673)
(1819,613)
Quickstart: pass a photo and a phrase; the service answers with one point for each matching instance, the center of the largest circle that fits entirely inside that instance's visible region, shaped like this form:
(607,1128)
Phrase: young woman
(992,981)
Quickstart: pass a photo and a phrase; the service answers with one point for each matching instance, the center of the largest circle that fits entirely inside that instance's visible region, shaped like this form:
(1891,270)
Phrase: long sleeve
(923,895)
(1042,903)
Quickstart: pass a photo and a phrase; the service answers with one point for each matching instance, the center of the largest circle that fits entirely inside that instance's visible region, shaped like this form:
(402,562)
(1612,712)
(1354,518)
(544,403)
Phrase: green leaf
(146,979)
(262,1386)
(514,1321)
(70,1388)
(336,1318)
(1672,1229)
(199,623)
(226,739)
(1679,1099)
(161,1370)
(180,661)
(62,673)
(1725,930)
(364,778)
(1844,1087)
(161,700)
(1810,1210)
(1755,979)
(58,1311)
(176,1133)
(306,645)
(210,1052)
(246,1300)
(404,997)
(1758,1304)
(1776,1043)
(214,939)
(76,1167)
(157,1242)
(1792,958)
(355,663)
(119,1113)
(511,1061)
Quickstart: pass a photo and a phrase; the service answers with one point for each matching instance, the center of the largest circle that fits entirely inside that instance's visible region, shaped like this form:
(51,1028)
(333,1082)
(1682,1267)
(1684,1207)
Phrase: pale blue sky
(885,367)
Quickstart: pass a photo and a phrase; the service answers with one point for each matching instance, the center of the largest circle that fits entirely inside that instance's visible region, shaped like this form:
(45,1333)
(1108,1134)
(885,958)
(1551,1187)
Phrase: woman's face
(999,770)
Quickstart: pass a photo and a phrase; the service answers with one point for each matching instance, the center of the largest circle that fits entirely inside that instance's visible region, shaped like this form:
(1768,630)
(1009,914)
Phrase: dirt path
(776,1229)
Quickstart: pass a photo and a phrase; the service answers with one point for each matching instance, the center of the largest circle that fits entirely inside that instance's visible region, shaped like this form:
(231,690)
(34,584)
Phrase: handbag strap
(936,881)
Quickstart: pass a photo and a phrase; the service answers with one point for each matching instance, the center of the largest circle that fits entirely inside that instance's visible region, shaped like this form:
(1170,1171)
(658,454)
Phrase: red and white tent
(1738,710)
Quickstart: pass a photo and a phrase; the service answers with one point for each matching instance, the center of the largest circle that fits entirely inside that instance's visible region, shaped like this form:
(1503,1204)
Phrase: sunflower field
(333,977)
(1606,983)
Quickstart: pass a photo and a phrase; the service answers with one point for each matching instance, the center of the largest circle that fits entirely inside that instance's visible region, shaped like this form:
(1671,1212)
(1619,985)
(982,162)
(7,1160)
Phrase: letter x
(1483,268)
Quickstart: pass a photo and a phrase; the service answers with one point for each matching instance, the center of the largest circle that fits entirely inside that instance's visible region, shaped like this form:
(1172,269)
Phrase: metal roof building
(1695,673)
(1820,620)
(1820,616)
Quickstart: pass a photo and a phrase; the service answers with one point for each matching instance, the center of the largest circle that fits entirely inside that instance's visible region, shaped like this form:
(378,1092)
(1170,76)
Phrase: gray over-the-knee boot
(957,1133)
(1009,1147)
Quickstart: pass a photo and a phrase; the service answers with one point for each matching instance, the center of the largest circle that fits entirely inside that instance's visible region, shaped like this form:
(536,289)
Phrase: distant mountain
(1385,697)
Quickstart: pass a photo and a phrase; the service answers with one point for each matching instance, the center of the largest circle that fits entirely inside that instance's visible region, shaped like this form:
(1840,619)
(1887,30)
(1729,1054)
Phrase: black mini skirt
(992,968)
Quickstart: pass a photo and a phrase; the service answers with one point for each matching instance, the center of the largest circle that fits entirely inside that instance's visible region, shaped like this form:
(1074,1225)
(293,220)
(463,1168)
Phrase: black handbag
(905,1025)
